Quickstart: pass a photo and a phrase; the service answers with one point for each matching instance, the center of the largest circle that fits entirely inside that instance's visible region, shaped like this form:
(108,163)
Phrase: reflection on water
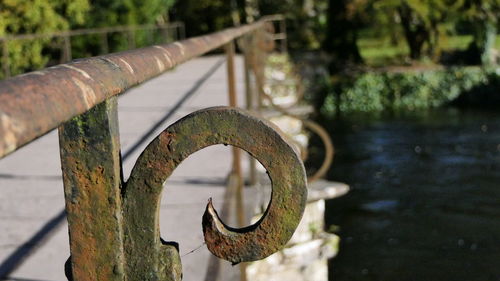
(425,199)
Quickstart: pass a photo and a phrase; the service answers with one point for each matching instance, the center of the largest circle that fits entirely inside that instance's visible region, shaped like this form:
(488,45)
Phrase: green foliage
(380,51)
(428,23)
(306,20)
(106,13)
(36,16)
(410,90)
(203,16)
(45,16)
(345,18)
(128,12)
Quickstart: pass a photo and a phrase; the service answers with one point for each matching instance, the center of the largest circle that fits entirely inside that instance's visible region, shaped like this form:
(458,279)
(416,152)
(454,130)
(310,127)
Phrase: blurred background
(408,89)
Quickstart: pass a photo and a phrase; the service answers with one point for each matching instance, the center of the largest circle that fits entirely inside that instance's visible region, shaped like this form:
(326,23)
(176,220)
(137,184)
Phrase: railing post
(164,33)
(231,84)
(258,66)
(131,38)
(5,59)
(104,43)
(150,36)
(249,96)
(284,34)
(182,28)
(176,34)
(91,166)
(67,48)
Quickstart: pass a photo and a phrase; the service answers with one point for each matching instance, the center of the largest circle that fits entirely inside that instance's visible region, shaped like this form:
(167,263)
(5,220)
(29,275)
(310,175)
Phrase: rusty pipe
(33,104)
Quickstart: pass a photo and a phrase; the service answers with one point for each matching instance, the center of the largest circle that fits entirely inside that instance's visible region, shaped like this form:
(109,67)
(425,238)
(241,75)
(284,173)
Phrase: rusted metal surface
(114,226)
(200,129)
(90,161)
(35,103)
(114,230)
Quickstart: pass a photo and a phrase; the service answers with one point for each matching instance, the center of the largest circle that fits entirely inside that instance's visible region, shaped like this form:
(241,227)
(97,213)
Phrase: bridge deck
(31,195)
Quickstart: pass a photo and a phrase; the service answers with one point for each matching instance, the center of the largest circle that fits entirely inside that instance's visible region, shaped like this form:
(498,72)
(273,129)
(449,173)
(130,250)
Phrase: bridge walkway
(34,236)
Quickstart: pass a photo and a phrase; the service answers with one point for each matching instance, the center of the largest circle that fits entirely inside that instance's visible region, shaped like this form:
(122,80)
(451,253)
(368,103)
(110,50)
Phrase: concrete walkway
(34,237)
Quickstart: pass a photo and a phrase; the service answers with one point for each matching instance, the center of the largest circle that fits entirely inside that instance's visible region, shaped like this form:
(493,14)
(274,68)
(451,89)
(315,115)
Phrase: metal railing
(279,24)
(113,224)
(170,32)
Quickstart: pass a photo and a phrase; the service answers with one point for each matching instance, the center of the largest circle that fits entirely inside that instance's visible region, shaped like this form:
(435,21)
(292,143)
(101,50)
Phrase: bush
(411,90)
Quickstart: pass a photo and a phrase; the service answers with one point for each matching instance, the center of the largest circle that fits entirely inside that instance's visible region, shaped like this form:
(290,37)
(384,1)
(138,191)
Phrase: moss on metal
(92,179)
(198,130)
(115,232)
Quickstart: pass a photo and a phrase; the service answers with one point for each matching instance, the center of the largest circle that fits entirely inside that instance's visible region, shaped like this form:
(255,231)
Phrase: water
(425,199)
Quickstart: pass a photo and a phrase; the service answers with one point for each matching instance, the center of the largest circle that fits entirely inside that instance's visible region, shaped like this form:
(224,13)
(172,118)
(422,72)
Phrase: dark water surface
(425,198)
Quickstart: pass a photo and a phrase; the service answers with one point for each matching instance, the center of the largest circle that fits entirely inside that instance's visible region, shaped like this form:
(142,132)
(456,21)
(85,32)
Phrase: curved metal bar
(329,149)
(219,125)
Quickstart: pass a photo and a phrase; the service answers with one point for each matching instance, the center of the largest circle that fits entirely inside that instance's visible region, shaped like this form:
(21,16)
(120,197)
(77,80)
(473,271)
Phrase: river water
(425,198)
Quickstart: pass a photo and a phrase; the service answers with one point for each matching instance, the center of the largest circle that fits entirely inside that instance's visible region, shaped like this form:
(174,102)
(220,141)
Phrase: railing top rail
(276,17)
(86,31)
(33,104)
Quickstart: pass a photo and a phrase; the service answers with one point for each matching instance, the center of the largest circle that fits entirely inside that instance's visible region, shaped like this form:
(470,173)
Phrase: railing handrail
(33,104)
(88,31)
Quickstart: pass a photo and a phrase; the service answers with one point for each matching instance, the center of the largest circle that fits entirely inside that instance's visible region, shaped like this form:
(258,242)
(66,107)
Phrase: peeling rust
(8,130)
(166,55)
(114,226)
(90,162)
(85,74)
(220,125)
(181,47)
(159,63)
(114,232)
(129,68)
(88,94)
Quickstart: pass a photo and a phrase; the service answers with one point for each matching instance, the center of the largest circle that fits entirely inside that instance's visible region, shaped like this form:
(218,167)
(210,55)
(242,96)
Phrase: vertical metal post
(182,29)
(5,59)
(104,43)
(231,84)
(284,34)
(67,48)
(150,36)
(176,34)
(131,38)
(164,35)
(258,68)
(250,102)
(91,166)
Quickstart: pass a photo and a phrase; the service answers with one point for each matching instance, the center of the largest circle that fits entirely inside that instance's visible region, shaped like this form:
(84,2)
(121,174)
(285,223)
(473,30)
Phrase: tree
(35,16)
(424,22)
(415,30)
(108,13)
(483,16)
(344,21)
(306,20)
(203,16)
